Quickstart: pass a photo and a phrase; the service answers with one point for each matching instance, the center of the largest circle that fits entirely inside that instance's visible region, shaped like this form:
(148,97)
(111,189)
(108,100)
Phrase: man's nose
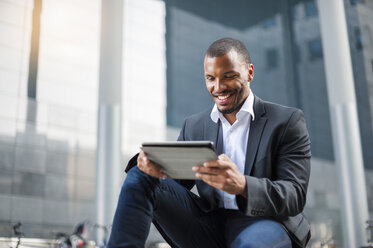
(219,85)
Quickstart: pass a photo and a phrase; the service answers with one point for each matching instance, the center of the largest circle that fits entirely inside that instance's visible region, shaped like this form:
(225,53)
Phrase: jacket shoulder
(197,118)
(280,112)
(278,107)
(194,126)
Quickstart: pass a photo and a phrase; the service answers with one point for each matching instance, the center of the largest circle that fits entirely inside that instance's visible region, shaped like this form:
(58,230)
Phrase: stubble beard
(231,110)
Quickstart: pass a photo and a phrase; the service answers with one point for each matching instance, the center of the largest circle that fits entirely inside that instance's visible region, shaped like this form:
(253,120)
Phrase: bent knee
(257,243)
(136,179)
(263,233)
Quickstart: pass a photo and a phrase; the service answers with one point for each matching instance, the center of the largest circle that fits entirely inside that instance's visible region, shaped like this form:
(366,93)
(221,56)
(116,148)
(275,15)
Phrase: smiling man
(252,196)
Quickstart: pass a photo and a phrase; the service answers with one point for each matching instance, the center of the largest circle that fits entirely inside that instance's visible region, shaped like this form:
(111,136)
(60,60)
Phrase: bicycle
(17,233)
(74,240)
(370,239)
(101,243)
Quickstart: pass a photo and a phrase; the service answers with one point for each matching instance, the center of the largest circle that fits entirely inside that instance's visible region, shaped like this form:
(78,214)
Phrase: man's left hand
(222,174)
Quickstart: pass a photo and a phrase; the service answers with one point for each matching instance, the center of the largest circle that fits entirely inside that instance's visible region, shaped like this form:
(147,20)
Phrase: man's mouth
(222,99)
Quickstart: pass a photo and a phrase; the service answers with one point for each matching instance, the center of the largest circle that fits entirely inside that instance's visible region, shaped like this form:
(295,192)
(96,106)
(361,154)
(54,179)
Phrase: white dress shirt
(235,142)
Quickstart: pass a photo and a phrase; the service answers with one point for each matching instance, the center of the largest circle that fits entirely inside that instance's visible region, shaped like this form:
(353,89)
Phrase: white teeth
(223,97)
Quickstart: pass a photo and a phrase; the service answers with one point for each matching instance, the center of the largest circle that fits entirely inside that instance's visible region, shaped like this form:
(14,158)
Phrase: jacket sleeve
(285,193)
(131,163)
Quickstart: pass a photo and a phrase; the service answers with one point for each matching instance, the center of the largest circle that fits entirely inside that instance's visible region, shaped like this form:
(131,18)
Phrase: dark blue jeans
(174,211)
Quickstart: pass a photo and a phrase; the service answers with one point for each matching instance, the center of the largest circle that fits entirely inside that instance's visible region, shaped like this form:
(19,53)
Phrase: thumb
(223,157)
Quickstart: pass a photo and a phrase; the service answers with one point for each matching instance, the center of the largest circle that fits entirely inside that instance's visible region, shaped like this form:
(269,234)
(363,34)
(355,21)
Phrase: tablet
(178,158)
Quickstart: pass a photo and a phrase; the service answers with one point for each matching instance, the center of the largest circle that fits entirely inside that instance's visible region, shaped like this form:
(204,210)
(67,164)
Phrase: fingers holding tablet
(148,167)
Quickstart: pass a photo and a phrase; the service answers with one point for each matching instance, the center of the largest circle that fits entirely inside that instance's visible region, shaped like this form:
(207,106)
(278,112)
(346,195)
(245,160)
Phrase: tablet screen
(178,158)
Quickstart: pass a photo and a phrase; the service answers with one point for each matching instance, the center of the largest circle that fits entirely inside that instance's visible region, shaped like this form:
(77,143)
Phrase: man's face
(228,81)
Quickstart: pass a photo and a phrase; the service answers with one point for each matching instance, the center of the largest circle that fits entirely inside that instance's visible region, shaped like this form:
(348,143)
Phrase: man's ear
(251,72)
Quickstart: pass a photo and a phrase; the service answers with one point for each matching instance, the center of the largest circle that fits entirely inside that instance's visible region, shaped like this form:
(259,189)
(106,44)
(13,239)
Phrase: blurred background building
(49,80)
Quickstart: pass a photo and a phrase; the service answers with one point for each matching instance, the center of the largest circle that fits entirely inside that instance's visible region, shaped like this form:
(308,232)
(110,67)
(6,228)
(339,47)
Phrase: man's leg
(246,232)
(172,207)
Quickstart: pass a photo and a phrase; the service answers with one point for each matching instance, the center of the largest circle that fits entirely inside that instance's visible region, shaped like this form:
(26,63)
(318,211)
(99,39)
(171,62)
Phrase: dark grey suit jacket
(277,166)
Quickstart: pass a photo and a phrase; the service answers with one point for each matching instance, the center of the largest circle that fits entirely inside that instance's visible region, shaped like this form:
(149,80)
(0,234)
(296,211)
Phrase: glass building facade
(49,106)
(49,99)
(48,125)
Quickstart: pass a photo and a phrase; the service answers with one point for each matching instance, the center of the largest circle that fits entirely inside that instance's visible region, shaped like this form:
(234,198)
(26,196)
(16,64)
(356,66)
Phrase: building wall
(48,144)
(15,36)
(360,31)
(144,74)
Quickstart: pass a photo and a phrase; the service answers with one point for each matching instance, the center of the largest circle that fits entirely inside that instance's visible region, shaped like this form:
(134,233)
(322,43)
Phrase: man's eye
(209,78)
(230,76)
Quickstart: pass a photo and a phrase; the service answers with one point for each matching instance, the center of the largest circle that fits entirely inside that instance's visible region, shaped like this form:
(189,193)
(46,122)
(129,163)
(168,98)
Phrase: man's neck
(231,118)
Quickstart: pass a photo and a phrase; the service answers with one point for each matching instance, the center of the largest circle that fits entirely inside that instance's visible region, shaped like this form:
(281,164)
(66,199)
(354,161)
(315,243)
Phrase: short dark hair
(224,45)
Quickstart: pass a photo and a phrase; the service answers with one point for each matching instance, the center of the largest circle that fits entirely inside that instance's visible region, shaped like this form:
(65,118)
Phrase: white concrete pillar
(108,162)
(344,120)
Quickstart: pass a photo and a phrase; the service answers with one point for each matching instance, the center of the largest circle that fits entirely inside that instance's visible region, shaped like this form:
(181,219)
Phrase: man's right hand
(148,167)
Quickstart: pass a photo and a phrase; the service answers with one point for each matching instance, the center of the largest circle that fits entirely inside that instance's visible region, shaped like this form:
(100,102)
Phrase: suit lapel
(211,131)
(255,134)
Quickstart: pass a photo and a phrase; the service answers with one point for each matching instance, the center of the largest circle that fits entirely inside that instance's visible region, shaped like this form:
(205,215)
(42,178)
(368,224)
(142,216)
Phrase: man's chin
(229,109)
(225,111)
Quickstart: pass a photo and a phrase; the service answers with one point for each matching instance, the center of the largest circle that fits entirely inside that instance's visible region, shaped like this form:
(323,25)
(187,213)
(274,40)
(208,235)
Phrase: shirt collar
(247,107)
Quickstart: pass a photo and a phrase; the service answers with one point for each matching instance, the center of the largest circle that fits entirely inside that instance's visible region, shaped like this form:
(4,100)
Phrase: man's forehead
(232,53)
(228,60)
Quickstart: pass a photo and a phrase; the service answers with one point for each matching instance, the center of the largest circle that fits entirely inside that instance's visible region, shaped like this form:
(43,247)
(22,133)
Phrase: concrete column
(291,66)
(108,163)
(344,120)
